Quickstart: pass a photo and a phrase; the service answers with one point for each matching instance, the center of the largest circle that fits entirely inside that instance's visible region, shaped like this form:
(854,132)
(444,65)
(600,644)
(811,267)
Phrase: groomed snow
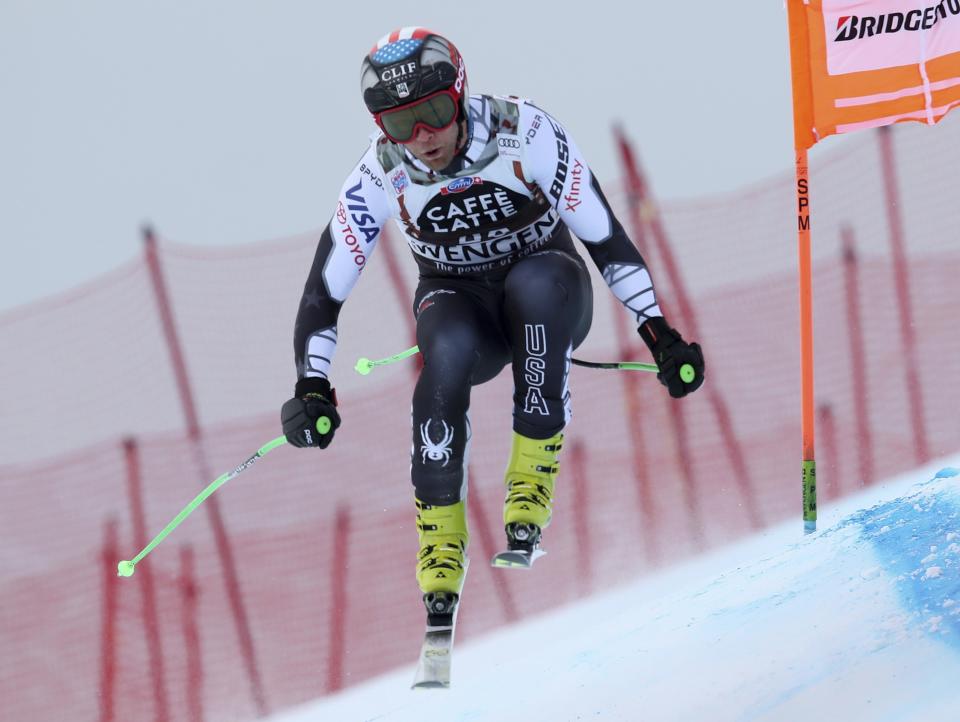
(857,622)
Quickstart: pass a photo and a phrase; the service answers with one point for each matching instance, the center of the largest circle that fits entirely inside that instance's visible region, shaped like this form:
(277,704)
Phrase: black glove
(671,354)
(312,399)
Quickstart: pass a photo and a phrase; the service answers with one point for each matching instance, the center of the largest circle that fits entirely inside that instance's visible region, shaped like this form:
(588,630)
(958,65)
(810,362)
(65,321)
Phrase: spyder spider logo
(435,451)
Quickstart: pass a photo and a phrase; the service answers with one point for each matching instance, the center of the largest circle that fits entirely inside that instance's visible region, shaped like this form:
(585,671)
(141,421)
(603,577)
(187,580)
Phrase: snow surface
(857,622)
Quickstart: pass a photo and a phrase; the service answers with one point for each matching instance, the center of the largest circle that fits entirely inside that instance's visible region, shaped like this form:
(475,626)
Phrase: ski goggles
(436,112)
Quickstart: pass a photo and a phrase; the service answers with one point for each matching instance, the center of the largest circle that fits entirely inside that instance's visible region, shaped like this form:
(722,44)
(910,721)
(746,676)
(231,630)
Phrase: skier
(486,190)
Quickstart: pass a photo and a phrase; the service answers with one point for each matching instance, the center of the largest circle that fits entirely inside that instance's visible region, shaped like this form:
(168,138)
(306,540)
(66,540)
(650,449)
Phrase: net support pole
(858,348)
(901,273)
(224,546)
(108,632)
(149,607)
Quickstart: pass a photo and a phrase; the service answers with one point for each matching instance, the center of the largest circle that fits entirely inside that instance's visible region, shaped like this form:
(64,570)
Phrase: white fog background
(230,122)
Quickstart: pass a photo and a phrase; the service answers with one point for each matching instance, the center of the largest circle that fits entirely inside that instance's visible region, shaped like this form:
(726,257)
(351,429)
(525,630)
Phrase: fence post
(337,622)
(633,422)
(689,320)
(901,273)
(221,537)
(479,524)
(108,634)
(151,620)
(191,635)
(828,439)
(858,368)
(581,517)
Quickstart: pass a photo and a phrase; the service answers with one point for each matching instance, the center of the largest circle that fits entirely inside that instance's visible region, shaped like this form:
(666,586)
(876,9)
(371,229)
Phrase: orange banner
(864,64)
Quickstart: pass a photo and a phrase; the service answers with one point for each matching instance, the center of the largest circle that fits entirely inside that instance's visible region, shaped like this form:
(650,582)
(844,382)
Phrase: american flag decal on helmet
(394,47)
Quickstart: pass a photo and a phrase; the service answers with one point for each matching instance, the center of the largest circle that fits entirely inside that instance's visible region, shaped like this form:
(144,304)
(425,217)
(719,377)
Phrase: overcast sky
(224,122)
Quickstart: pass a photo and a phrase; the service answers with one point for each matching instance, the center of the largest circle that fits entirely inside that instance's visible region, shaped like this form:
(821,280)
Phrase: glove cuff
(655,331)
(315,385)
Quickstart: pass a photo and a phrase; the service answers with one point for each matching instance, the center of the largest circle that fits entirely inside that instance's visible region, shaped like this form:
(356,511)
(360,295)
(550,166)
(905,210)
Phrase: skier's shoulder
(528,116)
(367,169)
(509,112)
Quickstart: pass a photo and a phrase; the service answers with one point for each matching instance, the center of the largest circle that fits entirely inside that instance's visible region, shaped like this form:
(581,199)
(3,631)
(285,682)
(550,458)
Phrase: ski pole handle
(127,567)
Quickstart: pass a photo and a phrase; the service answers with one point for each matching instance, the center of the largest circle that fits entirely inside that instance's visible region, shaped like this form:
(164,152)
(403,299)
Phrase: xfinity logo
(855,27)
(397,72)
(573,197)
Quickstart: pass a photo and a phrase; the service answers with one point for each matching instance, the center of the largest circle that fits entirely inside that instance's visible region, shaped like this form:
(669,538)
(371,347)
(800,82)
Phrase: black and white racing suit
(500,280)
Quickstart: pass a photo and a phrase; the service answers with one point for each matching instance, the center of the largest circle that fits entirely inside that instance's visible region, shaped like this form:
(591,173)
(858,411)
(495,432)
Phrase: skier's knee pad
(544,280)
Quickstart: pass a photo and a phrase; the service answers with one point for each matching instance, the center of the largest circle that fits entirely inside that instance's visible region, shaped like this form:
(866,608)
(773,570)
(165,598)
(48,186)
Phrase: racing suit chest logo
(466,207)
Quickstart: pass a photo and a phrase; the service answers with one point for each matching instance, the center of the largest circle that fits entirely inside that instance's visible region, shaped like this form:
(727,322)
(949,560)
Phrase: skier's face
(435,148)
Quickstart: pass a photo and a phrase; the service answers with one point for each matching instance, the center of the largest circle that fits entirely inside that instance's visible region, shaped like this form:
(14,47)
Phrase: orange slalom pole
(809,465)
(804,136)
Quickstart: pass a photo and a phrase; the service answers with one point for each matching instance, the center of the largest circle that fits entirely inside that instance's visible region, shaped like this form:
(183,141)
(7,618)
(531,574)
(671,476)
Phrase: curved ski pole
(687,372)
(127,567)
(364,365)
(617,365)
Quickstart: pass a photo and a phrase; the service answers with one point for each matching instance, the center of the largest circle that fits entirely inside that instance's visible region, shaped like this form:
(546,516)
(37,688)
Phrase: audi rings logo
(509,146)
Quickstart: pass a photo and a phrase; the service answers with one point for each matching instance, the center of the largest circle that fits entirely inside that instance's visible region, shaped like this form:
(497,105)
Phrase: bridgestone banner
(865,64)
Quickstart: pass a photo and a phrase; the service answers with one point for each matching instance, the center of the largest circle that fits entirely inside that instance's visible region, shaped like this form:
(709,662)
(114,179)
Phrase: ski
(516,558)
(436,652)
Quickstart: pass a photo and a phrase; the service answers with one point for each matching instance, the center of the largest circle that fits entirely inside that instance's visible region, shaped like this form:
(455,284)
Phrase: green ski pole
(365,366)
(126,567)
(687,372)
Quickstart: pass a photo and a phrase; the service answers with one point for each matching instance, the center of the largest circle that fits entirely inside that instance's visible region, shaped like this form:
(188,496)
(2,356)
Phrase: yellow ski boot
(442,560)
(530,478)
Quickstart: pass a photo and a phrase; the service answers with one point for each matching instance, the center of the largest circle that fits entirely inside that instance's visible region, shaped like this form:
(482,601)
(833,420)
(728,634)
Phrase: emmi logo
(460,185)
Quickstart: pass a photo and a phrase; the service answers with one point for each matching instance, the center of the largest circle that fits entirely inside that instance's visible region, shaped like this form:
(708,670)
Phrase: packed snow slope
(858,621)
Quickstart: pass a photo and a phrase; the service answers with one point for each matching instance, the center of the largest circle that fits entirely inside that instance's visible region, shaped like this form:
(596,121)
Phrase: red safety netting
(297,579)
